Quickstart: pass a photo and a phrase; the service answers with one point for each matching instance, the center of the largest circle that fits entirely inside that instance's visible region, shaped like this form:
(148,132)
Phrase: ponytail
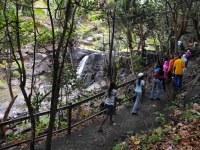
(139,80)
(112,86)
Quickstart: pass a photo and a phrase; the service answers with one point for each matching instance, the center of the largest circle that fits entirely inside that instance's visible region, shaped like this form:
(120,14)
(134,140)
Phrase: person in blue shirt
(139,90)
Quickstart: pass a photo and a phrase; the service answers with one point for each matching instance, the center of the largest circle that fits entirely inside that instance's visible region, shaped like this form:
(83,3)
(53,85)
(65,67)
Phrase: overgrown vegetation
(179,130)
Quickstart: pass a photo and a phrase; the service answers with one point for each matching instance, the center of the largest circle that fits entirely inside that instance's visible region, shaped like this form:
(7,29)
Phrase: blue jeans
(156,82)
(135,106)
(178,81)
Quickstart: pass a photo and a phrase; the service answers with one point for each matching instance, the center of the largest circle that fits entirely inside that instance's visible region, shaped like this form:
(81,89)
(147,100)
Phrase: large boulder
(91,64)
(79,53)
(99,76)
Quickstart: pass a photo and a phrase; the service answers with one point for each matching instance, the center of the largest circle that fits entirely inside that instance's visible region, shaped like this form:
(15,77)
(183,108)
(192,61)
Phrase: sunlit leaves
(40,8)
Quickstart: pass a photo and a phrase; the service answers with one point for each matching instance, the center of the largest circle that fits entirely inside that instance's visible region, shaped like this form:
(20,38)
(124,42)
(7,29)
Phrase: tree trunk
(23,79)
(58,66)
(110,62)
(195,22)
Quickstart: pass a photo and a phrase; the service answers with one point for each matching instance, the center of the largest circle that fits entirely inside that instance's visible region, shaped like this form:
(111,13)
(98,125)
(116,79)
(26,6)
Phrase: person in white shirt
(179,46)
(139,90)
(109,104)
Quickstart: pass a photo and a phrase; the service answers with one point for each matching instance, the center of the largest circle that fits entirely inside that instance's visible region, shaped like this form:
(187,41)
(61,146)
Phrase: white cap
(140,74)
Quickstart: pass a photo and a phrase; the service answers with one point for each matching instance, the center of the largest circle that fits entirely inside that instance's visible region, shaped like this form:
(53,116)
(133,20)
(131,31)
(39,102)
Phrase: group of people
(169,71)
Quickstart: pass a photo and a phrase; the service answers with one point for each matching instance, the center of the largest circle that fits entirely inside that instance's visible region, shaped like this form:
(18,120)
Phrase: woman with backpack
(139,90)
(157,81)
(109,104)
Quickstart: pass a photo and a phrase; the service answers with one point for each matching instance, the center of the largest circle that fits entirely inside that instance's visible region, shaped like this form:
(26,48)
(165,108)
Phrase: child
(139,89)
(109,104)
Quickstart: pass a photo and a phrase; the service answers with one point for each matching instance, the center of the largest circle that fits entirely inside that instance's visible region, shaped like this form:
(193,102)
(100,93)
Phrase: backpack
(158,73)
(187,55)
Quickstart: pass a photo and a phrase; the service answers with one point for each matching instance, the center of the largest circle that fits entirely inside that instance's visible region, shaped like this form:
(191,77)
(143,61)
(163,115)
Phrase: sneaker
(158,99)
(151,98)
(134,113)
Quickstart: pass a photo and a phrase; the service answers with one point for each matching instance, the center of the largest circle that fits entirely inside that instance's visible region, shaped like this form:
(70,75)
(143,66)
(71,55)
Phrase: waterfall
(81,66)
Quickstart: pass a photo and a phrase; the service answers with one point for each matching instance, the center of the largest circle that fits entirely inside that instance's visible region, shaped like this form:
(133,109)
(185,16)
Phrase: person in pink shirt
(165,70)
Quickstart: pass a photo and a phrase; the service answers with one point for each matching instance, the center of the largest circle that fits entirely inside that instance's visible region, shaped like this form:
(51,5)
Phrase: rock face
(91,67)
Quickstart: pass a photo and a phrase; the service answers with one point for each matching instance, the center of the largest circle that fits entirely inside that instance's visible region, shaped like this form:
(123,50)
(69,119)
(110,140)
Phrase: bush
(139,62)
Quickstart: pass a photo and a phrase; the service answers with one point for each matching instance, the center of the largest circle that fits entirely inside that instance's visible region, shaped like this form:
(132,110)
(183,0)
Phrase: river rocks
(90,39)
(102,84)
(40,56)
(42,68)
(26,57)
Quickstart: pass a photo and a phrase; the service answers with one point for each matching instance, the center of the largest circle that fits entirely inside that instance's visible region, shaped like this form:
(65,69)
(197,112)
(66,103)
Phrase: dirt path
(125,123)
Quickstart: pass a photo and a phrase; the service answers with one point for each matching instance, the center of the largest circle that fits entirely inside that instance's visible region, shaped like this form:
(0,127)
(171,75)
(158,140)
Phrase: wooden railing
(68,107)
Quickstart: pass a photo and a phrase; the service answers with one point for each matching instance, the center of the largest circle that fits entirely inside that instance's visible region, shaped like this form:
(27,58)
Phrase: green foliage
(15,74)
(190,114)
(43,124)
(21,136)
(2,65)
(10,136)
(121,146)
(152,41)
(45,36)
(176,139)
(40,9)
(3,83)
(37,100)
(159,134)
(138,62)
(161,119)
(96,16)
(64,124)
(26,30)
(87,6)
(69,77)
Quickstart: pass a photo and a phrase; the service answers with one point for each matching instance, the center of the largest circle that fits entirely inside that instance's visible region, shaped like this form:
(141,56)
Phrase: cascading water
(81,66)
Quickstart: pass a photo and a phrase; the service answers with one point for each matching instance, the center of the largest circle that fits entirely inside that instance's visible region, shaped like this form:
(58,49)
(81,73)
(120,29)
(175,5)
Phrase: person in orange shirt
(179,64)
(170,70)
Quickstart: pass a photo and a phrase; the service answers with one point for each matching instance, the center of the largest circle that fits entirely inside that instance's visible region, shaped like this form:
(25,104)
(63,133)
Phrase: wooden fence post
(69,118)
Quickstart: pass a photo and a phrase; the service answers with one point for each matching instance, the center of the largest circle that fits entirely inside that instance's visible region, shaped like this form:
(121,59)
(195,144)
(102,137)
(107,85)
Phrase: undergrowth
(179,130)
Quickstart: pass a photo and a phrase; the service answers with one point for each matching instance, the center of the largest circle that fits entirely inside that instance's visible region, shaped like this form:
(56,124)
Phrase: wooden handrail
(69,107)
(61,108)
